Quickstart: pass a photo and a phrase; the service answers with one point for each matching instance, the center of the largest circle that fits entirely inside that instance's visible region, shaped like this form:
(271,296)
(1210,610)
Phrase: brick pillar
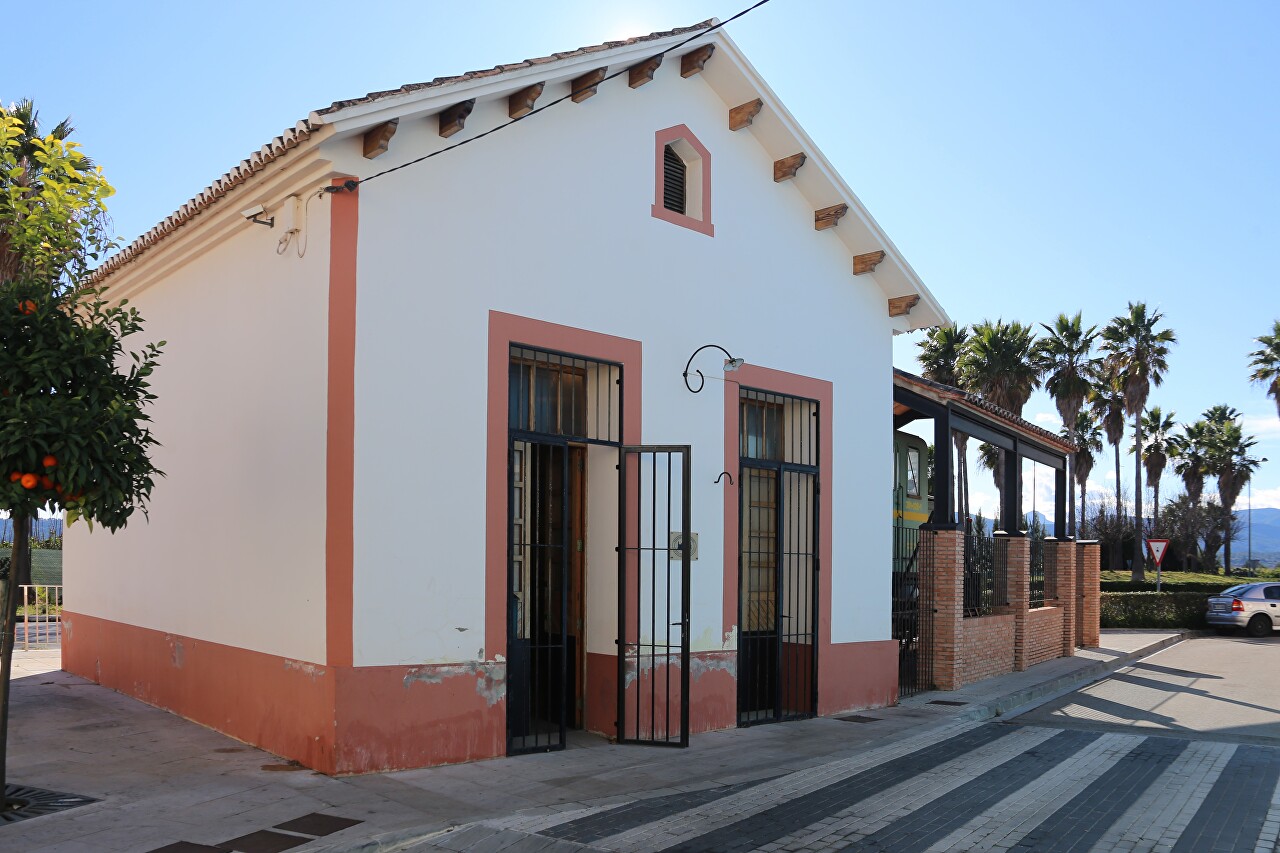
(1018,573)
(942,576)
(1060,557)
(1090,560)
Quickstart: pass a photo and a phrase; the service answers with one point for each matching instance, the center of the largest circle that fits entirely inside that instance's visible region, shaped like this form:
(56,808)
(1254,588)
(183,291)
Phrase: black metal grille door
(778,559)
(653,595)
(538,685)
(913,608)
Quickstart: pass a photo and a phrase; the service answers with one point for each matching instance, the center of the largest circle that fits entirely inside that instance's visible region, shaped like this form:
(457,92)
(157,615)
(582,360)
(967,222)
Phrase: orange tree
(74,433)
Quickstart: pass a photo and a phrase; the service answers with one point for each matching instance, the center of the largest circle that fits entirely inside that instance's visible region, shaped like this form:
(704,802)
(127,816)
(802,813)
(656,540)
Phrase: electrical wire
(351,184)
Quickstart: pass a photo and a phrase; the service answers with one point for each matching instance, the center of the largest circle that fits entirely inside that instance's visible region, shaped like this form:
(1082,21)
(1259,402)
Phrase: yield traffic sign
(1157,547)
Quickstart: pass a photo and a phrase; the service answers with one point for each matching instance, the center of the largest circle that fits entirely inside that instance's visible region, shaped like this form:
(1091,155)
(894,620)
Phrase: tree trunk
(1071,498)
(1139,567)
(1117,561)
(1226,538)
(19,566)
(1155,500)
(1083,488)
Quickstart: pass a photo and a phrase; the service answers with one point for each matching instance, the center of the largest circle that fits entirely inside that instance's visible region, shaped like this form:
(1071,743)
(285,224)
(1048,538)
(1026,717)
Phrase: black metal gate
(778,567)
(913,609)
(538,676)
(654,550)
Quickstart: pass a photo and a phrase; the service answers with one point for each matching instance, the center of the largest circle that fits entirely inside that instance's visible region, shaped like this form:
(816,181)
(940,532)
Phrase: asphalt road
(1179,753)
(1223,689)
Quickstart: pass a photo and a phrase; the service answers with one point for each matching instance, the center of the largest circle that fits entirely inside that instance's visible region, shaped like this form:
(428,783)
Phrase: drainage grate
(947,702)
(856,718)
(37,801)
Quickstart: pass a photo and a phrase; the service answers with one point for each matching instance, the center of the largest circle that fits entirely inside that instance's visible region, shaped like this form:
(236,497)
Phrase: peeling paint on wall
(700,665)
(305,668)
(177,654)
(490,676)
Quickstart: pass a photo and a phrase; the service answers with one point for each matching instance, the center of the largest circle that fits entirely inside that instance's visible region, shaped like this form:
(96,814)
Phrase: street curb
(1019,700)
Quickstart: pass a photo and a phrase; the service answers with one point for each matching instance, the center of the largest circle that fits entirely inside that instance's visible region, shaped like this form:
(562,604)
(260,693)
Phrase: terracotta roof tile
(502,69)
(254,163)
(297,134)
(954,393)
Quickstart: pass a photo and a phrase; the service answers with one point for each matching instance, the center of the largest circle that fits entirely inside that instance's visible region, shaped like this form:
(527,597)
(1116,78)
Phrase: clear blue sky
(1027,158)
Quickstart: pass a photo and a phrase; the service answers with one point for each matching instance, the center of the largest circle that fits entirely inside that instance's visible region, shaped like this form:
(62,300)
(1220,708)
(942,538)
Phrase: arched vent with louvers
(674,181)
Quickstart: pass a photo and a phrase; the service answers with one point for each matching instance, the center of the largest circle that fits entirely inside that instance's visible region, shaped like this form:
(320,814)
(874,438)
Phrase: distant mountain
(1266,536)
(41,528)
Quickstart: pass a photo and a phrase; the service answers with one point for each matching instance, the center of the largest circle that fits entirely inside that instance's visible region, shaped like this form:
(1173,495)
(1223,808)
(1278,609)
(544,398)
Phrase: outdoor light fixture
(730,364)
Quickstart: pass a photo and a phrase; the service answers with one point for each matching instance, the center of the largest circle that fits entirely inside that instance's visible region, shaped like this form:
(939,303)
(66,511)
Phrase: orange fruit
(27,306)
(46,483)
(29,481)
(15,476)
(50,461)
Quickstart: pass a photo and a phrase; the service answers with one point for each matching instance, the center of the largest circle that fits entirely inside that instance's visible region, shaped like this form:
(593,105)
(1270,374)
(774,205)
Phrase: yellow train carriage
(911,501)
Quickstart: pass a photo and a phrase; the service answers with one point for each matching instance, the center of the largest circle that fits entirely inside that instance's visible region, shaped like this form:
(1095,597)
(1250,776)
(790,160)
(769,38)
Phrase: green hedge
(1153,610)
(1206,587)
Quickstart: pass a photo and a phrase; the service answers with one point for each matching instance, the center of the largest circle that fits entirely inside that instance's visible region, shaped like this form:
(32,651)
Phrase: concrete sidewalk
(160,780)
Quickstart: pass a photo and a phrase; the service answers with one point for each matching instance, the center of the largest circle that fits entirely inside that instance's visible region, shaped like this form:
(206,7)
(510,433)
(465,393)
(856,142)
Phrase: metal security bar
(654,550)
(556,394)
(778,557)
(39,616)
(986,572)
(537,638)
(912,620)
(1038,585)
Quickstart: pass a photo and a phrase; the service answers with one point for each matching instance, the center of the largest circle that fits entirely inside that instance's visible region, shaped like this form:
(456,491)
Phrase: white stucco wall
(234,549)
(551,220)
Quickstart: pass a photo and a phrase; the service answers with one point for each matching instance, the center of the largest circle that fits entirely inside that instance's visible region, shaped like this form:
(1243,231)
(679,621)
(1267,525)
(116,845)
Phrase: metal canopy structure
(956,410)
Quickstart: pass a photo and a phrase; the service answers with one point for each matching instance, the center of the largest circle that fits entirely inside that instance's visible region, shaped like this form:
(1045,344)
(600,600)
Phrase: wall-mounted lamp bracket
(730,364)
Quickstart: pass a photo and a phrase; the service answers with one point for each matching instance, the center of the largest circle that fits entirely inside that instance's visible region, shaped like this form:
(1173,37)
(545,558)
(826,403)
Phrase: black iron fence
(912,609)
(986,574)
(1037,572)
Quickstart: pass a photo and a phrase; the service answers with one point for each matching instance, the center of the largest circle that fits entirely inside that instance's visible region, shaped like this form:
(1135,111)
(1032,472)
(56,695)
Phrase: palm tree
(1189,460)
(1157,447)
(1107,402)
(1086,435)
(998,364)
(1138,356)
(1064,357)
(939,354)
(1228,459)
(1266,363)
(29,175)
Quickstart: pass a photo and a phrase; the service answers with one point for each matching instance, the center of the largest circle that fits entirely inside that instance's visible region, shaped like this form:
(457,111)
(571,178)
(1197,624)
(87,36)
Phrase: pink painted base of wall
(713,693)
(345,720)
(853,676)
(337,720)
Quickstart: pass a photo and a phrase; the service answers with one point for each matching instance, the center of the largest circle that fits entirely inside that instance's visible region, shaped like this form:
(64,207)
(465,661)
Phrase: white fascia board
(424,102)
(908,280)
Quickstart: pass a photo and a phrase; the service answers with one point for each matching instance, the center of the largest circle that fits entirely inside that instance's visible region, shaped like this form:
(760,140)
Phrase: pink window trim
(661,140)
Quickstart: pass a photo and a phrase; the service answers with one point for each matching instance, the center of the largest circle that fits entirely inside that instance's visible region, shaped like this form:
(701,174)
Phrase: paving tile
(187,847)
(318,824)
(263,841)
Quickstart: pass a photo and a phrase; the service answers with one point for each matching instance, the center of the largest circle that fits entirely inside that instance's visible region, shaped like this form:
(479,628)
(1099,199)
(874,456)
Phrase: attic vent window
(682,180)
(674,175)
